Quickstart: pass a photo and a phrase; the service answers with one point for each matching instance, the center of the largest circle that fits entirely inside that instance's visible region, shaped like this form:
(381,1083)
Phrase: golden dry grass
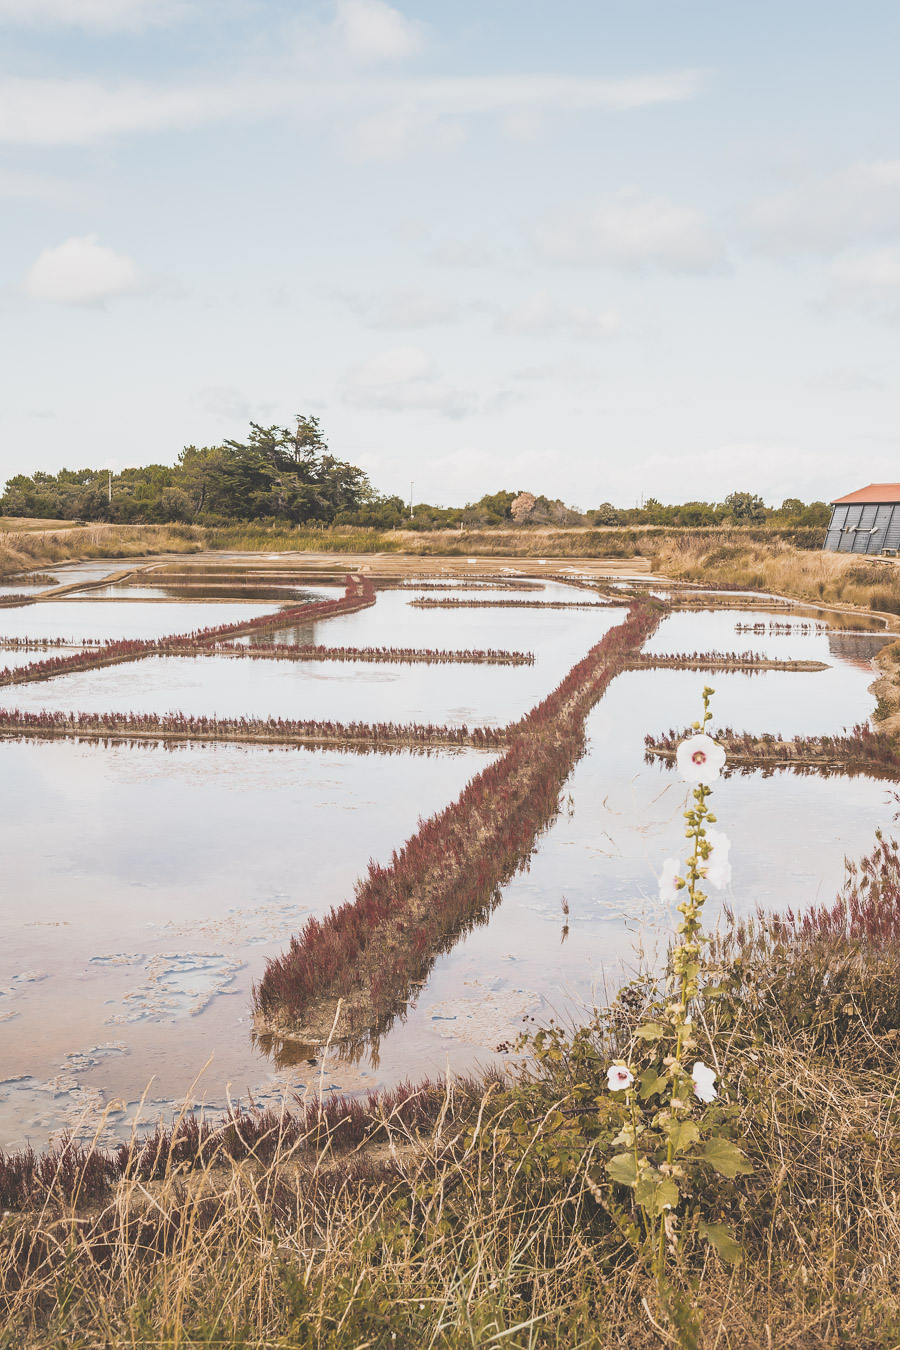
(771,563)
(457,1240)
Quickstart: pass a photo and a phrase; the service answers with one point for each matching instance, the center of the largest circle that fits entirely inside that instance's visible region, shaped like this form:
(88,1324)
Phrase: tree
(746,508)
(604,514)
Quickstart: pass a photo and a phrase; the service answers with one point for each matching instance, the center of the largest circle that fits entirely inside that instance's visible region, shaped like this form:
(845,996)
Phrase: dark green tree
(746,508)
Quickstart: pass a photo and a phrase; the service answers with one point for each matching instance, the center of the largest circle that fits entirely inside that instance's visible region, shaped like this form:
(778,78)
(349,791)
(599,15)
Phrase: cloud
(80,272)
(542,316)
(866,281)
(109,14)
(569,372)
(461,253)
(845,379)
(403,309)
(370,30)
(403,379)
(379,117)
(28,187)
(825,214)
(227,404)
(628,230)
(776,469)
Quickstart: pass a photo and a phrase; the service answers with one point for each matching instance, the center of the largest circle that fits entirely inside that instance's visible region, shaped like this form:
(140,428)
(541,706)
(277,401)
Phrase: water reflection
(183,872)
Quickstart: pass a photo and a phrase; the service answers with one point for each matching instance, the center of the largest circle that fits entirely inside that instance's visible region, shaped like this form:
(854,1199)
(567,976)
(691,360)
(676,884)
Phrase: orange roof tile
(875,492)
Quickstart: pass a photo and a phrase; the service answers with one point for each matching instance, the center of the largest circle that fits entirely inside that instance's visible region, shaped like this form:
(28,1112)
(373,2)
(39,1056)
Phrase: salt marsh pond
(145,886)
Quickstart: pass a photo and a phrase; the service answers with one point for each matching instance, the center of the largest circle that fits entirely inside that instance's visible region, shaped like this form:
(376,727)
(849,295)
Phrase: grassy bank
(25,545)
(464,1215)
(766,561)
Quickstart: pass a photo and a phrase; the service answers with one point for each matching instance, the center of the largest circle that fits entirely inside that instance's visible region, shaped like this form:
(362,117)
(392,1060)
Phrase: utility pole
(110,486)
(411,486)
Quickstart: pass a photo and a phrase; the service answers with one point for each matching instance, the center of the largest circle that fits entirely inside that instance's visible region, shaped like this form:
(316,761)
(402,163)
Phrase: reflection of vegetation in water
(861,749)
(370,952)
(358,594)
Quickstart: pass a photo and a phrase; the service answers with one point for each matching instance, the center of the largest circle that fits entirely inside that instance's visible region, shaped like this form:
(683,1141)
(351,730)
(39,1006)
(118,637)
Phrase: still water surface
(145,887)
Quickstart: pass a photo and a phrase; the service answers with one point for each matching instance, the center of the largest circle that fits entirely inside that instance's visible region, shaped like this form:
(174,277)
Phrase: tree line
(287,475)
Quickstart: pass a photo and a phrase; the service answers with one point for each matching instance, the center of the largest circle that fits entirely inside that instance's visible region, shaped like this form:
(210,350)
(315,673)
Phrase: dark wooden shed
(867,521)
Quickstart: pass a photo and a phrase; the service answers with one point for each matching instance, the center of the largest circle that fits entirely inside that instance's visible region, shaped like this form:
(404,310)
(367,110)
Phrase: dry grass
(22,549)
(770,563)
(481,1232)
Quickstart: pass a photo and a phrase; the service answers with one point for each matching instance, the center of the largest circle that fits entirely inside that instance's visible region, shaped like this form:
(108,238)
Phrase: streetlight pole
(411,486)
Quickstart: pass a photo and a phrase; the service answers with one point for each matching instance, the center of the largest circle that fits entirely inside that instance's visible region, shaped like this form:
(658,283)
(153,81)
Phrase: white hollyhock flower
(700,759)
(704,1081)
(618,1077)
(668,891)
(718,868)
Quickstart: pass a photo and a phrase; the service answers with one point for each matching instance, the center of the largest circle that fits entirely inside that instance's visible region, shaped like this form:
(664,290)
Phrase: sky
(597,249)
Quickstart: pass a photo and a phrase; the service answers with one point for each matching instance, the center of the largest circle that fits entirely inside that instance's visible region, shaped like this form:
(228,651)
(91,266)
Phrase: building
(867,521)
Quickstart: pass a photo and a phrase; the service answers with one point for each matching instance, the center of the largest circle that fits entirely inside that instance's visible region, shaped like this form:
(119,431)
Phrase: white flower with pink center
(717,866)
(619,1077)
(668,890)
(700,759)
(704,1081)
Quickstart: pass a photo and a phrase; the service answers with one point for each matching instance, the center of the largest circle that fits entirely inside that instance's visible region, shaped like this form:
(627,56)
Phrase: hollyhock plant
(704,1081)
(619,1077)
(700,759)
(668,881)
(667,1137)
(718,868)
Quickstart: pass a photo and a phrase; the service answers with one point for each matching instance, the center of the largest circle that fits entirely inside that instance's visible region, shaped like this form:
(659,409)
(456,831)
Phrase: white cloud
(227,404)
(461,253)
(845,379)
(110,14)
(867,281)
(380,117)
(29,187)
(402,380)
(541,316)
(403,309)
(370,30)
(569,372)
(778,470)
(824,214)
(629,230)
(80,272)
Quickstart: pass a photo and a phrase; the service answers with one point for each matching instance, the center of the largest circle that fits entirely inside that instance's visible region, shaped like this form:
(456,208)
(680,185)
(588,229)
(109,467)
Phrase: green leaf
(651,1082)
(725,1157)
(682,1133)
(656,1193)
(720,1238)
(623,1169)
(650,1031)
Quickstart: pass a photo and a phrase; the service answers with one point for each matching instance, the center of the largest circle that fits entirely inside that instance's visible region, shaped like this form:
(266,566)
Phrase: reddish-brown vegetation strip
(370,952)
(269,730)
(425,603)
(284,651)
(860,751)
(470,585)
(67,1175)
(748,661)
(359,594)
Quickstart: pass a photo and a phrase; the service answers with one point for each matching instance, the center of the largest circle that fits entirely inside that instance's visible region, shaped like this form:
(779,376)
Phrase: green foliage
(278,474)
(745,508)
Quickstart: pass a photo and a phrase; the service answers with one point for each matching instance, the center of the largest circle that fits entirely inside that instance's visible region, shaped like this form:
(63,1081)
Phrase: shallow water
(455,695)
(144,889)
(183,869)
(296,594)
(99,619)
